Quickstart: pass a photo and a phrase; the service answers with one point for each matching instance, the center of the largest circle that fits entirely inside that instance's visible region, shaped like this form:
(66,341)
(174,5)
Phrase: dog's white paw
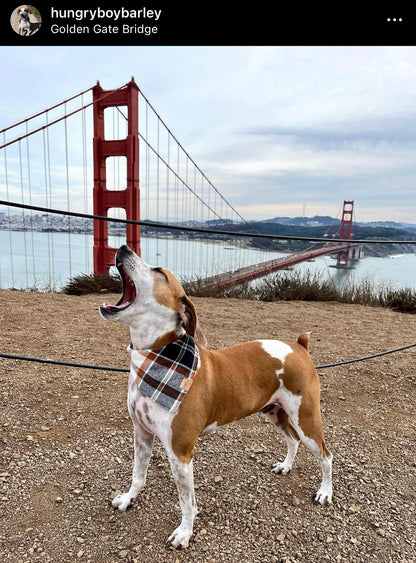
(324,496)
(122,502)
(281,468)
(180,537)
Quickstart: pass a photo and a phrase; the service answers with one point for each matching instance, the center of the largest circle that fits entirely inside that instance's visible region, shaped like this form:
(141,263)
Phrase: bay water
(44,261)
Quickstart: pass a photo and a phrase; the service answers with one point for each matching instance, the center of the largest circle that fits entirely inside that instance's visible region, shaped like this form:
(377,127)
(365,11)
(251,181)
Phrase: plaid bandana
(167,374)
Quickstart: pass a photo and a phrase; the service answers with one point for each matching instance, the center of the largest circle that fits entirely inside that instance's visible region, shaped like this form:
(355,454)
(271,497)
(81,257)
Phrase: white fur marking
(184,479)
(285,466)
(276,349)
(288,401)
(208,429)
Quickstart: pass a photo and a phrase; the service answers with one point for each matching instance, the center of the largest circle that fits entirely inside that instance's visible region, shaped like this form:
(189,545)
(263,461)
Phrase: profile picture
(25,20)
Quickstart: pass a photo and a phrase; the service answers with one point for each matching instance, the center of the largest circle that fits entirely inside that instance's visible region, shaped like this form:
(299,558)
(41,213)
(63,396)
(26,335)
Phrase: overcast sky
(278,130)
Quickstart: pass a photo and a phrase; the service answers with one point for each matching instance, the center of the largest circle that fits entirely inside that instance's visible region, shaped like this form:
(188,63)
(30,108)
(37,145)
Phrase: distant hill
(360,231)
(390,225)
(317,226)
(316,221)
(325,220)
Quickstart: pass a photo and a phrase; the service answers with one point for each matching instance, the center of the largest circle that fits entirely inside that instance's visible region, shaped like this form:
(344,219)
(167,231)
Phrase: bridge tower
(345,231)
(104,198)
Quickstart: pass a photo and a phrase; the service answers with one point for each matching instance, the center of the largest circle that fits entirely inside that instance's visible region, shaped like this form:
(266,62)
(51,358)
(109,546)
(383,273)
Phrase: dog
(34,27)
(24,20)
(213,387)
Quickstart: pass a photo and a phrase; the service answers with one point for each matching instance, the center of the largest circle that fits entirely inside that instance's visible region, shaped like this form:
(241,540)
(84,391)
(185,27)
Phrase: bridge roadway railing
(255,271)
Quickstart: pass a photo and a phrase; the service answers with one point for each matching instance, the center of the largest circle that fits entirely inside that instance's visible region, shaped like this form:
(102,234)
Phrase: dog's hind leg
(143,442)
(184,479)
(309,429)
(302,423)
(281,420)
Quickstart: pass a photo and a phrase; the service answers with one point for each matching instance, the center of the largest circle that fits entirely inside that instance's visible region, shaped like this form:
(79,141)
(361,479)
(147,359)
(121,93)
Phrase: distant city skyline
(40,221)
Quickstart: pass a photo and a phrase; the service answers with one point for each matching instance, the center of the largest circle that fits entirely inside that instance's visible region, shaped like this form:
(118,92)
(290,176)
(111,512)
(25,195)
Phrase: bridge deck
(255,271)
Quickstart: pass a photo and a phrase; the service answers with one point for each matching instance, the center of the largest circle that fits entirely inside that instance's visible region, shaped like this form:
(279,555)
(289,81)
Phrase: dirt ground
(66,443)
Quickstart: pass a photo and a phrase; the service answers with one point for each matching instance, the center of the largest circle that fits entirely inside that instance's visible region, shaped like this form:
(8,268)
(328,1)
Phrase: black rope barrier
(199,229)
(59,363)
(345,362)
(126,370)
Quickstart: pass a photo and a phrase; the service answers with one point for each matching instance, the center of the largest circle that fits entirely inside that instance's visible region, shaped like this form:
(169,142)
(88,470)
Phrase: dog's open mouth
(129,292)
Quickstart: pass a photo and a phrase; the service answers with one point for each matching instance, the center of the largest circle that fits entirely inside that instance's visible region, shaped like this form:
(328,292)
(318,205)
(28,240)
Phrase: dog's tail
(303,340)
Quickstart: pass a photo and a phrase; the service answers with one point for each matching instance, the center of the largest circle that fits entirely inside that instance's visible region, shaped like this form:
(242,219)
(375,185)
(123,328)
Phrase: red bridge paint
(104,198)
(345,231)
(255,271)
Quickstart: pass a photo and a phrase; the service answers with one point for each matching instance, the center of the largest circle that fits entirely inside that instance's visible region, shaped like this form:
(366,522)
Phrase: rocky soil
(66,443)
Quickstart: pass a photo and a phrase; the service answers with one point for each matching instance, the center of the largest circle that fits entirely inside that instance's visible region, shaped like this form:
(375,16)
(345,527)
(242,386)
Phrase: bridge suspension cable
(174,189)
(27,119)
(48,124)
(207,195)
(48,167)
(237,214)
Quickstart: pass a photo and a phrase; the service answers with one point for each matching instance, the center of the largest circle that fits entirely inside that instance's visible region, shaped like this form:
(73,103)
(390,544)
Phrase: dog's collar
(166,375)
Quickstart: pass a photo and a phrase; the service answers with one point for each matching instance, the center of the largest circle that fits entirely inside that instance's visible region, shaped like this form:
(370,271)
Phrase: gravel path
(66,444)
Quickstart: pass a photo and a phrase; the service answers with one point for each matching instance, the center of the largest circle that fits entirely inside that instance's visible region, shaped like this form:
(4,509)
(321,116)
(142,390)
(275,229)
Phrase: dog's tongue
(112,306)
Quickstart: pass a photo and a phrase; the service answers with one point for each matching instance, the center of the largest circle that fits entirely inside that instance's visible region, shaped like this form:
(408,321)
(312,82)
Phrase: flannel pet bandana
(167,374)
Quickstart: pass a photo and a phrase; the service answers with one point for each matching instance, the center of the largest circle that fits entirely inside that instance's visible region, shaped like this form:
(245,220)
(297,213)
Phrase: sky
(280,131)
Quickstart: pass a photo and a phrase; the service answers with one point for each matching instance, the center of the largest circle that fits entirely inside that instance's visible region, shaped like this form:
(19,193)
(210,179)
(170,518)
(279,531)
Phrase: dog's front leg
(143,442)
(184,479)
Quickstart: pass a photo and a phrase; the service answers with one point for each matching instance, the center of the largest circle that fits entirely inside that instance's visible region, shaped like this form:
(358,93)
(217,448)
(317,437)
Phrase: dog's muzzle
(129,289)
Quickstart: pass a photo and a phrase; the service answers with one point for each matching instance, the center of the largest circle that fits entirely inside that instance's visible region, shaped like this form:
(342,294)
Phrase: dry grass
(93,283)
(296,286)
(283,286)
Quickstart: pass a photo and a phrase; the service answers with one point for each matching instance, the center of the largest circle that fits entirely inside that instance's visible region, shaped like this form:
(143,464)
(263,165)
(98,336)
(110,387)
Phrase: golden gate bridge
(136,170)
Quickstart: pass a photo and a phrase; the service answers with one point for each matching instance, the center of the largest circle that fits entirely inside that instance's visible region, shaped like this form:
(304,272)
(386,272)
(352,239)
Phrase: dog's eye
(160,271)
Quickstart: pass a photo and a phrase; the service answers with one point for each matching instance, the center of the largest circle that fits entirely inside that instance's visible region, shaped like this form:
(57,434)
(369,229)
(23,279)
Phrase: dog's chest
(166,375)
(146,413)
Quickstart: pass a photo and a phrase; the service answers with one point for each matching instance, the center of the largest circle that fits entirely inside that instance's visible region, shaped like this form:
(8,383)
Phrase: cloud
(392,130)
(270,126)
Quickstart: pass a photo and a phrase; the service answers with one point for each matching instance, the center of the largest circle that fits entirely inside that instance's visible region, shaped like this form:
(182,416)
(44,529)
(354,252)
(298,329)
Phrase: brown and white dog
(276,378)
(23,13)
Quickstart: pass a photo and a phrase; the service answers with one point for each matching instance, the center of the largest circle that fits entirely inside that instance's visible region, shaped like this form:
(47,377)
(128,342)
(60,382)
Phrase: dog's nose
(122,252)
(124,249)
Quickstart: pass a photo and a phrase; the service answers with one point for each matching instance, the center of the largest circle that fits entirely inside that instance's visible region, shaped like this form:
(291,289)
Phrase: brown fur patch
(165,340)
(231,384)
(168,292)
(236,382)
(303,340)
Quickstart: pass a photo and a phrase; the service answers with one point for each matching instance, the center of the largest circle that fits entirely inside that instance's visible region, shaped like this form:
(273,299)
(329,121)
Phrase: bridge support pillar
(104,199)
(345,231)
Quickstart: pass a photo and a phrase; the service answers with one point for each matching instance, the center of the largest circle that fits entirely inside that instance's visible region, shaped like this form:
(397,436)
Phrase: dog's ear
(189,318)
